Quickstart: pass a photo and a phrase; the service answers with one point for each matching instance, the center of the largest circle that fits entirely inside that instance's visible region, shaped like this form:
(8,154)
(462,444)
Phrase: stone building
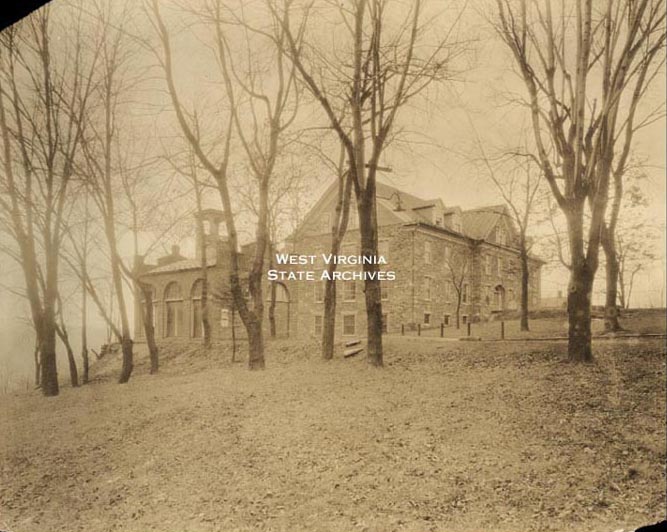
(177,288)
(428,246)
(425,243)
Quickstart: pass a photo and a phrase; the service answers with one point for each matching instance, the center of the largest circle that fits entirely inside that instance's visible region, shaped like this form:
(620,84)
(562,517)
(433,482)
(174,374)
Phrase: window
(445,319)
(501,235)
(447,253)
(487,265)
(511,294)
(224,318)
(500,266)
(384,323)
(173,309)
(384,287)
(464,294)
(318,324)
(427,318)
(319,292)
(464,319)
(155,315)
(349,324)
(353,218)
(326,223)
(197,309)
(383,249)
(427,253)
(449,289)
(349,291)
(427,288)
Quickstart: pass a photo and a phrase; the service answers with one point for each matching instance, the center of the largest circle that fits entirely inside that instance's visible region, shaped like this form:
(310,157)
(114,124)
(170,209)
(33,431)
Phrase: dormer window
(353,219)
(326,223)
(501,236)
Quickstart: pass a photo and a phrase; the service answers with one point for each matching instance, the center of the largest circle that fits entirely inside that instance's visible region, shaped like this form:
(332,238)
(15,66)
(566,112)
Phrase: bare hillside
(449,436)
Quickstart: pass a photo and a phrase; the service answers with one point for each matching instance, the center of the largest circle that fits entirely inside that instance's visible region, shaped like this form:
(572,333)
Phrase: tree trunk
(611,313)
(128,355)
(47,355)
(73,371)
(337,235)
(149,329)
(233,336)
(372,288)
(205,321)
(579,314)
(255,345)
(272,302)
(125,337)
(37,365)
(458,311)
(329,318)
(525,273)
(84,329)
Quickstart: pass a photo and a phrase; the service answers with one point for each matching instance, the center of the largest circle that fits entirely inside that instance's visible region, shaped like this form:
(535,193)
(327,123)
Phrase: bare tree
(61,330)
(100,164)
(381,74)
(338,229)
(43,98)
(518,187)
(636,240)
(585,71)
(458,268)
(269,107)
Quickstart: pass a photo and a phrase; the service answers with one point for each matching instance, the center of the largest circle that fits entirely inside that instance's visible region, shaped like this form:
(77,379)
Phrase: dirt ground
(455,436)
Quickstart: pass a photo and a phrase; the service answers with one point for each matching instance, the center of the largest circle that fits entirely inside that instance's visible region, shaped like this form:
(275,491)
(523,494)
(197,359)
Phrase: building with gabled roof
(177,283)
(431,248)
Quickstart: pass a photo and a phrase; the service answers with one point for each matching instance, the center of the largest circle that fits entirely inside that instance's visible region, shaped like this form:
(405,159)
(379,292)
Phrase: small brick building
(177,287)
(426,244)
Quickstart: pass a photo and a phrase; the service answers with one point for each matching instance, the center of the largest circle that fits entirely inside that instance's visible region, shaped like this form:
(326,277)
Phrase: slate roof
(478,223)
(180,265)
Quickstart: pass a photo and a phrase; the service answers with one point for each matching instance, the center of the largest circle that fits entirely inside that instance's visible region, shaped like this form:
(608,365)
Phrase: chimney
(213,243)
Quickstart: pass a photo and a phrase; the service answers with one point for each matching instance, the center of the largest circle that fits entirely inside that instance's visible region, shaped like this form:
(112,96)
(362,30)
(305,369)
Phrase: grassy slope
(449,436)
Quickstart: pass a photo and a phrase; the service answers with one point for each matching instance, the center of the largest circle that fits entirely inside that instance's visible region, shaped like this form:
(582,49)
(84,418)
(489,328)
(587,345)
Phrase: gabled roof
(408,201)
(478,223)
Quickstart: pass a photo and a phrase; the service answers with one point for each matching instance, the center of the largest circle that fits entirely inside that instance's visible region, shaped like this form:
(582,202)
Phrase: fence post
(442,330)
(419,329)
(502,330)
(469,324)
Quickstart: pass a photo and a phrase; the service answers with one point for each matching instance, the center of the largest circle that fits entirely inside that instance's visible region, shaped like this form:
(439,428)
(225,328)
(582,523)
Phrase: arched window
(282,294)
(197,324)
(173,303)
